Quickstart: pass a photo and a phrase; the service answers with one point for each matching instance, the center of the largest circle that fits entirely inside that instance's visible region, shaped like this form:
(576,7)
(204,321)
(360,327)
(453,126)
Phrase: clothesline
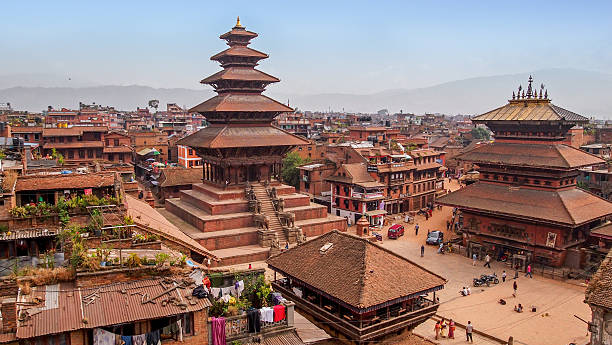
(104,337)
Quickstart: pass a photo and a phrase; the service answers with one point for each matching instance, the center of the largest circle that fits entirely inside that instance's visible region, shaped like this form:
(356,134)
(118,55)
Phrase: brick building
(527,205)
(187,157)
(147,139)
(355,194)
(77,144)
(356,290)
(117,147)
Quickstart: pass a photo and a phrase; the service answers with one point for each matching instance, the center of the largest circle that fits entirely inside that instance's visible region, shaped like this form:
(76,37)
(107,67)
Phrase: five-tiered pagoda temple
(240,144)
(527,204)
(241,212)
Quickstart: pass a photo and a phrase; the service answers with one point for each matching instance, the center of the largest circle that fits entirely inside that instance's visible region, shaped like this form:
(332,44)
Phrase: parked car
(395,231)
(435,237)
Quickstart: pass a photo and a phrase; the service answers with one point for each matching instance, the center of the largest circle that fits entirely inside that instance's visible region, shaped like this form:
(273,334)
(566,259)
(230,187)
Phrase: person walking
(487,261)
(504,276)
(514,286)
(469,328)
(422,250)
(529,271)
(416,230)
(451,329)
(447,225)
(474,258)
(437,328)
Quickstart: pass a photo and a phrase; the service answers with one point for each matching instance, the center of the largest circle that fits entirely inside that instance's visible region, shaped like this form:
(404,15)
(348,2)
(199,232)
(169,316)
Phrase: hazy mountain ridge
(585,92)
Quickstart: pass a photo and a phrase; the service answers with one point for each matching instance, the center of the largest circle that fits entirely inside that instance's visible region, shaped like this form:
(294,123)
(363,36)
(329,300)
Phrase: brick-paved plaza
(556,301)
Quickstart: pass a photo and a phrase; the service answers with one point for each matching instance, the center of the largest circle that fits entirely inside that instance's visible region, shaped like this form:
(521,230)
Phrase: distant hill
(121,97)
(587,93)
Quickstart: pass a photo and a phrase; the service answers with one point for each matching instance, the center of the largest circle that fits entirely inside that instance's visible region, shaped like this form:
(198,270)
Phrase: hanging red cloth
(279,313)
(206,282)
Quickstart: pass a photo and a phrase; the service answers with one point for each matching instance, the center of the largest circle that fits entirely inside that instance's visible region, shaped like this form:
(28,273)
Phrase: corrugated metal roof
(113,304)
(28,233)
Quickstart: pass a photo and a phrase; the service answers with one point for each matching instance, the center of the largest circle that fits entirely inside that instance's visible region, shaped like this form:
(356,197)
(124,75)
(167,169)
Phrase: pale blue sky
(314,46)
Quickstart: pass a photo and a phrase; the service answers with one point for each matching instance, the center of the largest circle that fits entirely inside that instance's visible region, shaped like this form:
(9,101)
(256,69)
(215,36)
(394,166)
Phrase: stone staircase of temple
(267,208)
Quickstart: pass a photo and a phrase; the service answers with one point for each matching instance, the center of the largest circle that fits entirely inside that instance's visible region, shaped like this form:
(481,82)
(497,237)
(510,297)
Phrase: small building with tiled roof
(526,204)
(354,288)
(599,297)
(49,188)
(173,180)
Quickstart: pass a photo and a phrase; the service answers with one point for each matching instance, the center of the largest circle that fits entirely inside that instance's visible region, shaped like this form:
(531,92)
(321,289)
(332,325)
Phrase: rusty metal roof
(65,307)
(530,110)
(240,102)
(241,136)
(240,73)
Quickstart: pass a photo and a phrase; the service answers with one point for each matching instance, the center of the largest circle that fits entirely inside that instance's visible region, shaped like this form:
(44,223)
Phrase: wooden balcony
(236,327)
(357,330)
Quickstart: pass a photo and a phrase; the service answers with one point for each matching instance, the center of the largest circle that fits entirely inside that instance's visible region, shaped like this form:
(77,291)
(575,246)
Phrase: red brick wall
(200,331)
(230,241)
(537,233)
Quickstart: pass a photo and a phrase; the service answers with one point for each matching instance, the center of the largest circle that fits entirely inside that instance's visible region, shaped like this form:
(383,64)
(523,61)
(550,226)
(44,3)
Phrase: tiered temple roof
(528,172)
(241,144)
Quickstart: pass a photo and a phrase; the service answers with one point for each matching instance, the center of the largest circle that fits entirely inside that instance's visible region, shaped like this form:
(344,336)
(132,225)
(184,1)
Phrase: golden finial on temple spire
(238,22)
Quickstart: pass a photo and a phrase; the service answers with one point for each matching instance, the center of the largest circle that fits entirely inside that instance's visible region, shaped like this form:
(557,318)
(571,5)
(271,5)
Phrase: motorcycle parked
(480,282)
(490,278)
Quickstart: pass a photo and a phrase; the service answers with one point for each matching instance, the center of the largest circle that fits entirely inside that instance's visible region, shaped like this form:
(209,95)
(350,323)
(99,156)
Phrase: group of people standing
(443,326)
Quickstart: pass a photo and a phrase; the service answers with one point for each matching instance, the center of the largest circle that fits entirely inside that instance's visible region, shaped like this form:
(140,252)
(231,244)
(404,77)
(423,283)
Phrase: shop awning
(376,213)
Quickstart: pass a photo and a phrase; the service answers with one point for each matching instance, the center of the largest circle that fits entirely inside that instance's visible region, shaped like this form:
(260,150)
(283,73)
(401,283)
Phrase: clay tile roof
(604,230)
(69,181)
(240,51)
(569,207)
(238,32)
(358,172)
(355,271)
(64,302)
(117,149)
(230,136)
(153,221)
(240,102)
(74,144)
(26,129)
(240,73)
(72,131)
(599,290)
(180,176)
(537,155)
(535,110)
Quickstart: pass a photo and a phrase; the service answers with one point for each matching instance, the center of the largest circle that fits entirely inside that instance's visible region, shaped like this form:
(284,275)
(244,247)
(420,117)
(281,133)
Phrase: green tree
(480,133)
(289,172)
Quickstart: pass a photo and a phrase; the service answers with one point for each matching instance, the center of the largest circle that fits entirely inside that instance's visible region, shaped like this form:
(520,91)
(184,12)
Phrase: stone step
(241,255)
(212,205)
(205,221)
